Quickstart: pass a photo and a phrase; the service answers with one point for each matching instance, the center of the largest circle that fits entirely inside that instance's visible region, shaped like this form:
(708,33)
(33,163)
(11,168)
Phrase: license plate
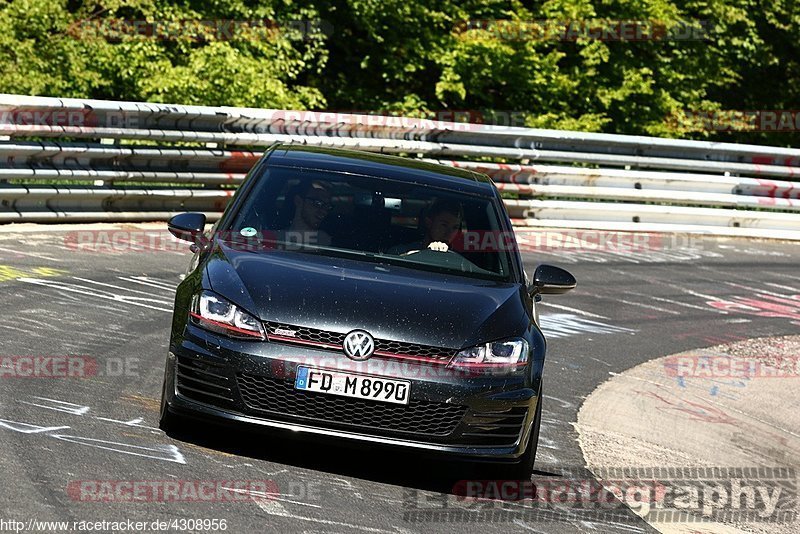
(350,385)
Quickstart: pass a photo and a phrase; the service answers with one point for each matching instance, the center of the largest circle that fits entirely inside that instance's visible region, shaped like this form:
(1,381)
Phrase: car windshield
(374,219)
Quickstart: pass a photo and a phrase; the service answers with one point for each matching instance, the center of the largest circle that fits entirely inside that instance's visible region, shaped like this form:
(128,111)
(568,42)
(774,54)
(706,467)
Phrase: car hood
(390,302)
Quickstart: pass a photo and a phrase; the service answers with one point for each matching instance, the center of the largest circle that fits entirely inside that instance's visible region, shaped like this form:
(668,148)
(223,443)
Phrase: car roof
(382,165)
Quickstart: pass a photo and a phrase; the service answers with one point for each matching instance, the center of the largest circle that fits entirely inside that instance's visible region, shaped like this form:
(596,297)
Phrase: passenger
(441,222)
(312,204)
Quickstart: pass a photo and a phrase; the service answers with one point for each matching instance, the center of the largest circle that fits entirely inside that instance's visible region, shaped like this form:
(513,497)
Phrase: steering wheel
(437,246)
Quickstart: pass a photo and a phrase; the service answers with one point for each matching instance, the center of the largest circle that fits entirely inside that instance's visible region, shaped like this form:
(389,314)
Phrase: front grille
(203,381)
(410,349)
(300,334)
(495,428)
(281,399)
(285,333)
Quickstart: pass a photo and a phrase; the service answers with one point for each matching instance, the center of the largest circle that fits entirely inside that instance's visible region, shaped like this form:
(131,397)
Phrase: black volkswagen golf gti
(368,297)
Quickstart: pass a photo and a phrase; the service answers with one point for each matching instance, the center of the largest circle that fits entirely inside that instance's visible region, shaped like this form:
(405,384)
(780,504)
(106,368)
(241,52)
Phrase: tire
(523,469)
(167,421)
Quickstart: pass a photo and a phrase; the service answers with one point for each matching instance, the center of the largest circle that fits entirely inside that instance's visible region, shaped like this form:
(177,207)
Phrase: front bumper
(479,416)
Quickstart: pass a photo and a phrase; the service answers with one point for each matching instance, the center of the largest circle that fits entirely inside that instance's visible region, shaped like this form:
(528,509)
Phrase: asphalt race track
(109,313)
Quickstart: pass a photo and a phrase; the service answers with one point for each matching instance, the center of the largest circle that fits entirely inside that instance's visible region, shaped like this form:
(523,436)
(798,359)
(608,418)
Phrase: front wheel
(167,421)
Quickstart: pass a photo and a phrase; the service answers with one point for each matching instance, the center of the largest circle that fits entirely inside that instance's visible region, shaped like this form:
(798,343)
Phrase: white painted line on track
(31,254)
(647,306)
(83,290)
(104,284)
(573,310)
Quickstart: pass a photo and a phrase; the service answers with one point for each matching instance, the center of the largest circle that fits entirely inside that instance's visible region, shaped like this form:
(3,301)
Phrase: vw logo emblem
(358,345)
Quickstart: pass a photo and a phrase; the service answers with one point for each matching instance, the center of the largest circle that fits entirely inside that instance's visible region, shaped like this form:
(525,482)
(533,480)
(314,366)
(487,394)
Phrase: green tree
(95,50)
(419,58)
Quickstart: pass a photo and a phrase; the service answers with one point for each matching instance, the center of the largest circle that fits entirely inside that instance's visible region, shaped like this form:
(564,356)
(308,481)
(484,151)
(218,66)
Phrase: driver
(312,204)
(441,223)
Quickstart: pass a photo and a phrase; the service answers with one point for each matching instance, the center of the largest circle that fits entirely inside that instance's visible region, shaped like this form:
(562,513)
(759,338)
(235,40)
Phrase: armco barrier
(127,161)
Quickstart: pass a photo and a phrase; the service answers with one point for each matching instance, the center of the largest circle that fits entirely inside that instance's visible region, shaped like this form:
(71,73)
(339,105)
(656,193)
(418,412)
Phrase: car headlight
(217,314)
(509,353)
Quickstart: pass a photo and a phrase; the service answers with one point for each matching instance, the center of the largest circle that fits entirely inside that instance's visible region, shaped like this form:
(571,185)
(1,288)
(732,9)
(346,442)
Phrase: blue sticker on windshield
(248,231)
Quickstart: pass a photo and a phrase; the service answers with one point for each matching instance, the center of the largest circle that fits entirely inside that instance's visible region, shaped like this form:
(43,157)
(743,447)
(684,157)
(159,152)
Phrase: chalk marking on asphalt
(627,256)
(762,291)
(547,458)
(83,290)
(145,283)
(521,523)
(35,322)
(269,473)
(564,403)
(558,325)
(9,327)
(171,452)
(553,421)
(677,302)
(573,310)
(648,306)
(604,524)
(702,295)
(711,401)
(59,406)
(349,485)
(784,275)
(132,422)
(682,289)
(748,416)
(31,254)
(165,283)
(269,495)
(104,284)
(786,288)
(25,428)
(708,400)
(275,508)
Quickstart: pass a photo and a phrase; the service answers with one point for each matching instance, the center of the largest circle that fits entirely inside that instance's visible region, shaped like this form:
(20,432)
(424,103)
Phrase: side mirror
(188,226)
(551,280)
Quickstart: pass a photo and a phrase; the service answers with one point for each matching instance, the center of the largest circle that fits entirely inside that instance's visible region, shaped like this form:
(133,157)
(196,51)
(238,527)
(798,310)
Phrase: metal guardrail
(189,156)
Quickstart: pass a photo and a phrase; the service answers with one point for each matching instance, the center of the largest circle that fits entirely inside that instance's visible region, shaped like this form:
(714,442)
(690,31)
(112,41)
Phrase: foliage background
(408,56)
